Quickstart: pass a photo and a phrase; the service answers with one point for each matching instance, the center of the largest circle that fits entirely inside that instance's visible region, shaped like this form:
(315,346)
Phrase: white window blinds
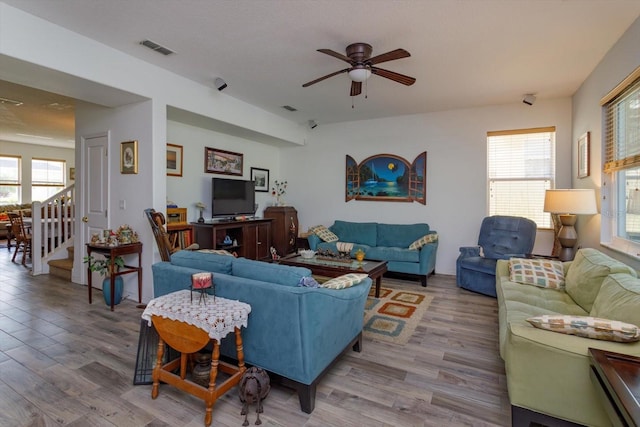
(521,167)
(622,129)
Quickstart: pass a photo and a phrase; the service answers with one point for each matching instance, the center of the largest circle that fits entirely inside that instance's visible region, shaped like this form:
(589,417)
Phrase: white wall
(455,142)
(617,64)
(195,185)
(27,152)
(131,122)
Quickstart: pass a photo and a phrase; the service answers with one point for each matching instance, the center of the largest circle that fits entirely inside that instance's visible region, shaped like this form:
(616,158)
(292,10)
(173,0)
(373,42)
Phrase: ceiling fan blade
(336,55)
(391,75)
(356,88)
(389,56)
(312,82)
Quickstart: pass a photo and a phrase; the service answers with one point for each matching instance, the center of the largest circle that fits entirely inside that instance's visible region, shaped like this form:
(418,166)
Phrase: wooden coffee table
(322,267)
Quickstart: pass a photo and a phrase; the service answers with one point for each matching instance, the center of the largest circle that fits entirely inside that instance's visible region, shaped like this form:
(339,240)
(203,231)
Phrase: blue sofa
(385,242)
(293,332)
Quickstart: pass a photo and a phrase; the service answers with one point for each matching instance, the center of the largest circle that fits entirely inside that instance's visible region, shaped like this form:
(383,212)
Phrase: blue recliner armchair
(501,237)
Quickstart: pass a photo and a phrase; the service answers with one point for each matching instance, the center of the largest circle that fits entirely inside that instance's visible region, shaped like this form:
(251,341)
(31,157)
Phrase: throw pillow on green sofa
(544,273)
(587,327)
(619,299)
(586,274)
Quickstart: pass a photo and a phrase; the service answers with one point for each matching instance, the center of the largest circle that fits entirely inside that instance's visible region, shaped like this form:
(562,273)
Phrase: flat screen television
(232,197)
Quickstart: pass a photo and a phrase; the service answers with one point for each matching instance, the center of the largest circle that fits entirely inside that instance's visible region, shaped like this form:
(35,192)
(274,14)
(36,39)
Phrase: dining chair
(165,247)
(22,238)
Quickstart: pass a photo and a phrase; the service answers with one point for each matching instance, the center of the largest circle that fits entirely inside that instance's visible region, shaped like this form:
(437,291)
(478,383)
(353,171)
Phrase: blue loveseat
(293,332)
(385,242)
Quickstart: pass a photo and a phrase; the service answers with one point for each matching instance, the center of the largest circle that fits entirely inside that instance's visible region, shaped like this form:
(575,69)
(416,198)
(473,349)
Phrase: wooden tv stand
(253,237)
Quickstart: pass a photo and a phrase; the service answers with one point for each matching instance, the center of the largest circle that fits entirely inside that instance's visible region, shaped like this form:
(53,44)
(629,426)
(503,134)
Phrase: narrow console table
(187,326)
(617,378)
(112,252)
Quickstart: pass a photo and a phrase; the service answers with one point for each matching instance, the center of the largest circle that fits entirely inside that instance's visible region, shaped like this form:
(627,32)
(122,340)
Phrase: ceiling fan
(362,66)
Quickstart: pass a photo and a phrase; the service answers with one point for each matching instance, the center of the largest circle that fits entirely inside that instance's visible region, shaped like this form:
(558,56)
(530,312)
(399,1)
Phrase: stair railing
(52,228)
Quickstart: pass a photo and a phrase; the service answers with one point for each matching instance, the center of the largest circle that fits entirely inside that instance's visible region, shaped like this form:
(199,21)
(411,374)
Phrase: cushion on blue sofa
(356,232)
(381,253)
(400,235)
(203,261)
(266,272)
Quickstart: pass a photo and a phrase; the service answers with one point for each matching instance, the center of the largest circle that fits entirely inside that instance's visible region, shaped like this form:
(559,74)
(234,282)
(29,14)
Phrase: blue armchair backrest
(501,236)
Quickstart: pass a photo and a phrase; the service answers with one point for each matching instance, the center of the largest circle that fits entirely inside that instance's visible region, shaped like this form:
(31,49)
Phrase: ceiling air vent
(155,46)
(289,108)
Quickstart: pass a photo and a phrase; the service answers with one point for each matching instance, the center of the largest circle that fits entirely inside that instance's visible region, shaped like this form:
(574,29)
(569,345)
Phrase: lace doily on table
(217,319)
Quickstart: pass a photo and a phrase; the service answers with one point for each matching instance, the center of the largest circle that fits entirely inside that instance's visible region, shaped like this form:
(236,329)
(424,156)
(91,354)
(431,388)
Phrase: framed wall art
(261,178)
(174,160)
(222,162)
(72,174)
(584,155)
(388,178)
(129,157)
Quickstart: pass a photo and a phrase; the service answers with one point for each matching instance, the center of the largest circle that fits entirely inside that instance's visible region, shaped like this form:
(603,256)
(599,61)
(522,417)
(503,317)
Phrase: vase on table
(118,290)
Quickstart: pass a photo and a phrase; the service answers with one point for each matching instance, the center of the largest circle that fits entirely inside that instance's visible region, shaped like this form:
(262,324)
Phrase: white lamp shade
(359,74)
(571,201)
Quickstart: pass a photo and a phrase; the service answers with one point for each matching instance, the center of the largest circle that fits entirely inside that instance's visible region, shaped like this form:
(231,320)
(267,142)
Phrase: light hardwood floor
(65,362)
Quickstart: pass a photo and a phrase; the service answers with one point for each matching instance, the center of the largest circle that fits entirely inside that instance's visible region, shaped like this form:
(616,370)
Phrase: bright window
(521,167)
(622,159)
(10,180)
(47,178)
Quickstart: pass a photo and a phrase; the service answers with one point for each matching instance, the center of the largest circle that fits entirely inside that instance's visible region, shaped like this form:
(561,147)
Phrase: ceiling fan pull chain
(352,102)
(366,89)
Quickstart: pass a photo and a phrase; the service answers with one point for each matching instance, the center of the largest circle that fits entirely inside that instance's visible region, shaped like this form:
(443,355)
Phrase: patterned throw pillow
(216,251)
(427,238)
(588,327)
(544,273)
(324,233)
(344,281)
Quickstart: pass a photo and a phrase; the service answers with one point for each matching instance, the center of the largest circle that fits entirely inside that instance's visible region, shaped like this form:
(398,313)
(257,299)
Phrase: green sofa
(548,373)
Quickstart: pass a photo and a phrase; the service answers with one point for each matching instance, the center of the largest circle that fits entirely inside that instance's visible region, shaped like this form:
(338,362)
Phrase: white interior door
(95,188)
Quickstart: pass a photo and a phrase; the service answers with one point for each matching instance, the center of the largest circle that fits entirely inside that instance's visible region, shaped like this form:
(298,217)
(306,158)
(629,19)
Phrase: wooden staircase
(62,267)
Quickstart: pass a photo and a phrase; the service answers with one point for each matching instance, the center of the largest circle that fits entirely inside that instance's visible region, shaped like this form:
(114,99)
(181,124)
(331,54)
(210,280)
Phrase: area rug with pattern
(393,316)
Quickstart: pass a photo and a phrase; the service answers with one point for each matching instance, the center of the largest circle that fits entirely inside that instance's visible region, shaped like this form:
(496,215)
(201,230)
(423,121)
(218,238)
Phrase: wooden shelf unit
(253,237)
(285,228)
(179,230)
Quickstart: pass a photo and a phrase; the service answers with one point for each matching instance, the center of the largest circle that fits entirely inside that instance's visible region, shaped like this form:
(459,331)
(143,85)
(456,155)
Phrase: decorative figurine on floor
(253,388)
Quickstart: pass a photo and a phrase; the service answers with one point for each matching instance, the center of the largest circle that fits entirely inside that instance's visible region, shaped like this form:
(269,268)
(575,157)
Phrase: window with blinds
(622,155)
(47,178)
(10,193)
(520,168)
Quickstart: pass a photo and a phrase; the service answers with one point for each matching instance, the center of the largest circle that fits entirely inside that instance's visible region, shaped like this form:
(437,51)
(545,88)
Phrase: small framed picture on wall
(129,157)
(261,178)
(174,160)
(583,156)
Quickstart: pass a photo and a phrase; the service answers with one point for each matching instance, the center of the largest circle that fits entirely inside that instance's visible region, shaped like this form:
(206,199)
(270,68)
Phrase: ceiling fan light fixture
(359,74)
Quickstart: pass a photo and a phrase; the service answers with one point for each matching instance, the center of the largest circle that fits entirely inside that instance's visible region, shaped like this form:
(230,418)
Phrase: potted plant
(103,266)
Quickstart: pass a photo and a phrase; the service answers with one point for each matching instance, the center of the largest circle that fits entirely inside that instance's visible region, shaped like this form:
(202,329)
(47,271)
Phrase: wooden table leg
(378,283)
(156,370)
(240,350)
(211,396)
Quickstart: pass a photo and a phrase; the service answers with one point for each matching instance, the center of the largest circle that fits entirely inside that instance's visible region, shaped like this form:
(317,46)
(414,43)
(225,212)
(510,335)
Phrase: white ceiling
(464,53)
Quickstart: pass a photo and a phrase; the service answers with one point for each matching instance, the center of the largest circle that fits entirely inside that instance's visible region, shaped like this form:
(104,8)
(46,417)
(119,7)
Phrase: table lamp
(569,203)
